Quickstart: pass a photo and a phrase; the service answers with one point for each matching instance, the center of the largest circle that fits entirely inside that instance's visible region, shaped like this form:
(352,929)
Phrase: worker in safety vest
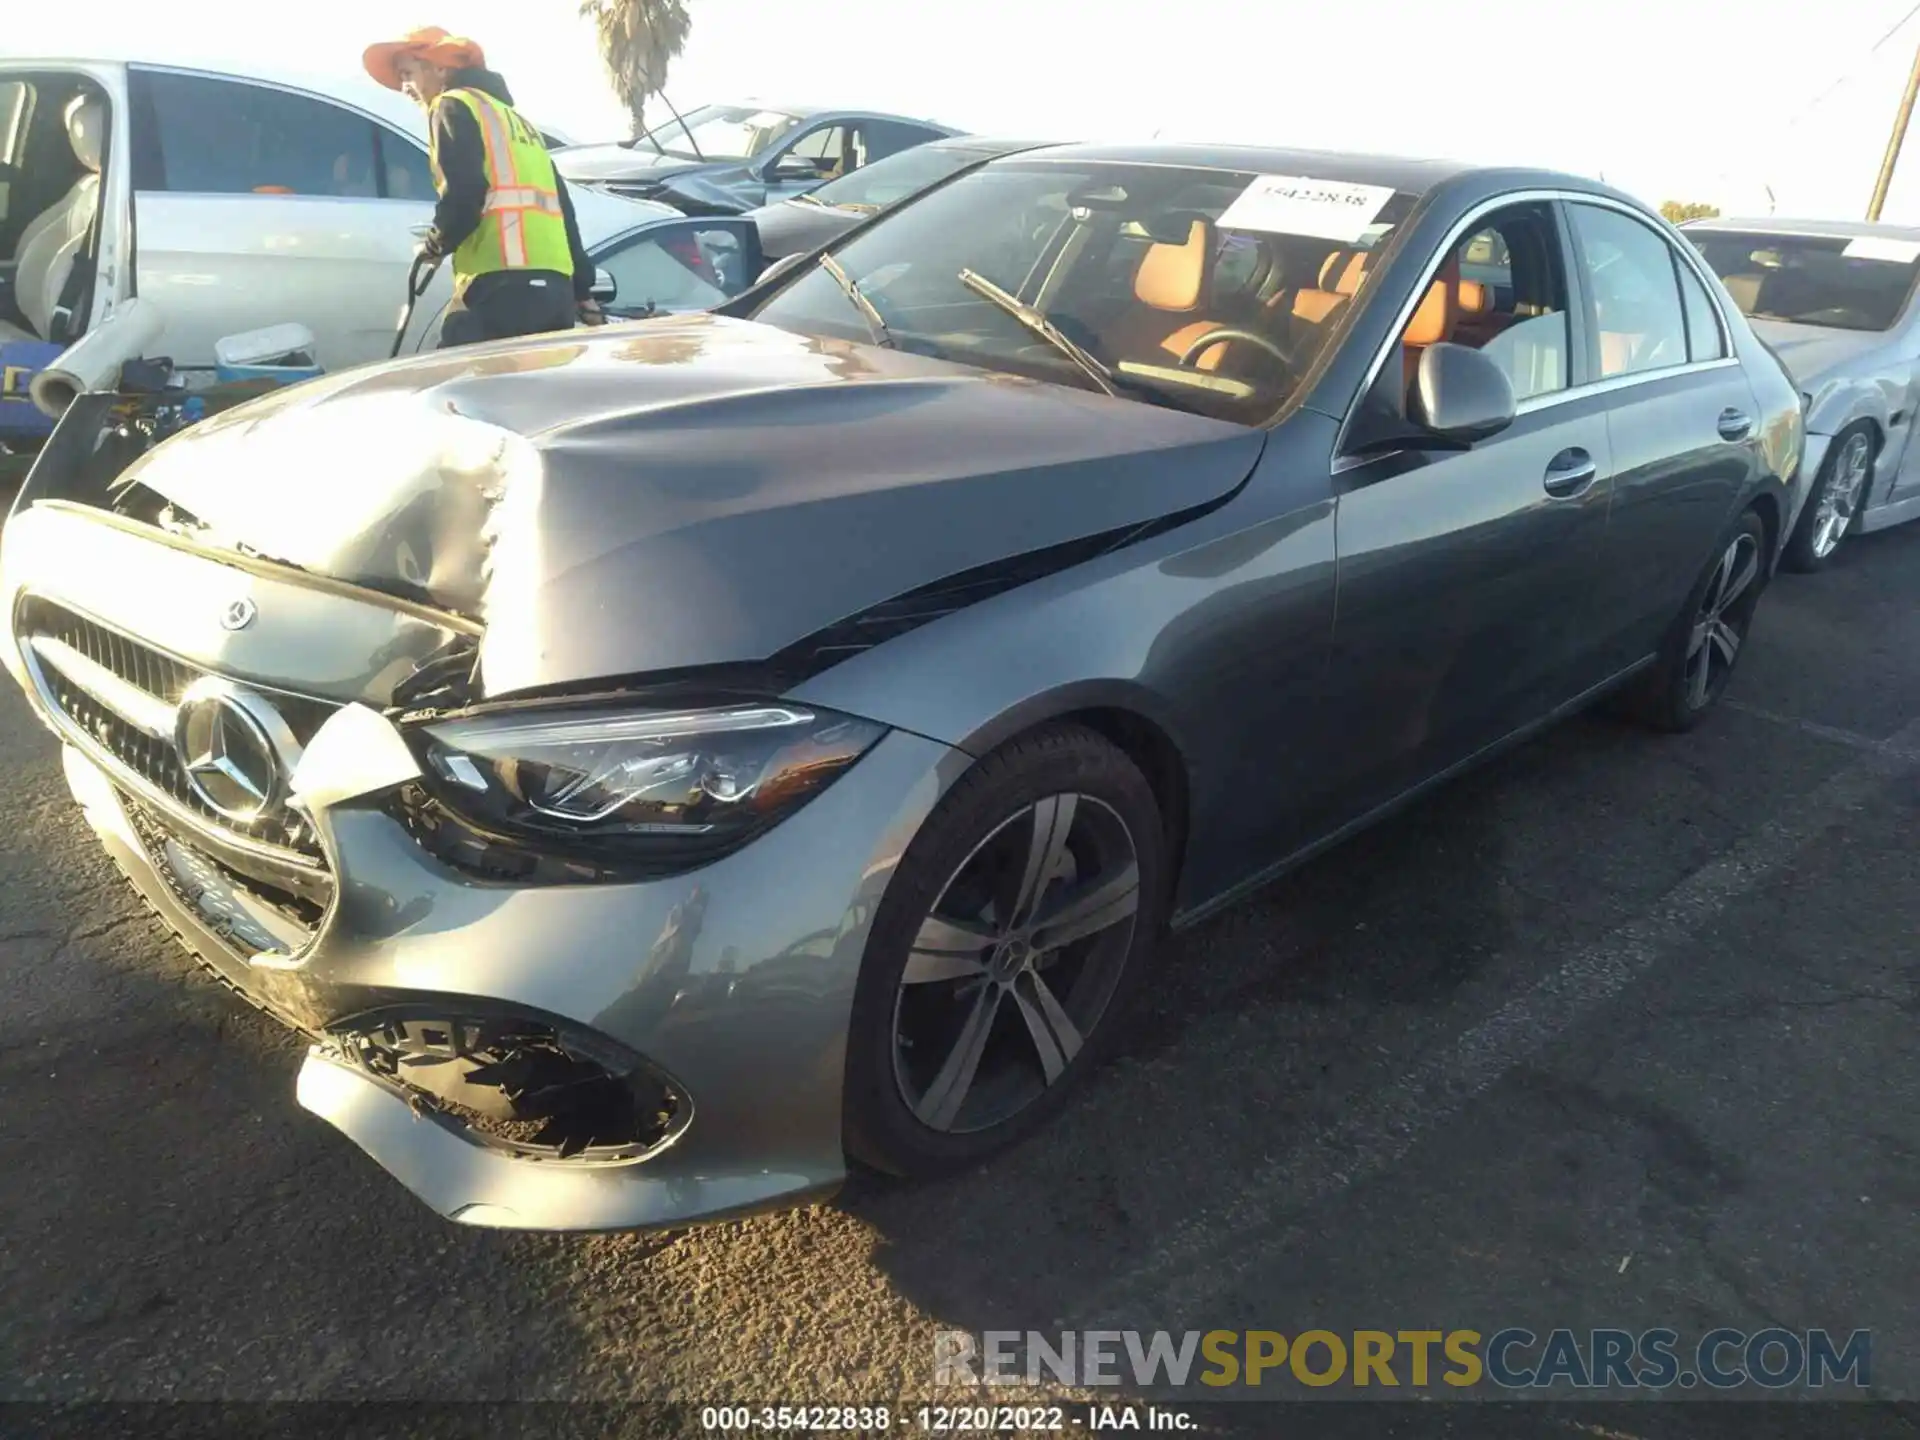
(504,213)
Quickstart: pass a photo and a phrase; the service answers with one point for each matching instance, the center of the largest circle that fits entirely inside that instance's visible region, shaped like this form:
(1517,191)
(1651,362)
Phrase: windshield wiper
(807,198)
(868,311)
(1040,325)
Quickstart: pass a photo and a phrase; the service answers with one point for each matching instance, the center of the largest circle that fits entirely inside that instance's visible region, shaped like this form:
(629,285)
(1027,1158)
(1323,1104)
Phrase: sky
(1679,99)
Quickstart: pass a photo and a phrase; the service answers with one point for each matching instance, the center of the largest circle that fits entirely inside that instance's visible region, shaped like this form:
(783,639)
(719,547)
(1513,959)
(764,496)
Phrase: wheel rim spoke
(1743,576)
(940,1106)
(1722,573)
(1088,909)
(1700,677)
(1726,640)
(1054,888)
(1046,847)
(1054,1035)
(946,950)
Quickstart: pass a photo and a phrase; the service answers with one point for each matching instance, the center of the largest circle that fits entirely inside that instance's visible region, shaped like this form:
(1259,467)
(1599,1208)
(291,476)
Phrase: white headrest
(87,129)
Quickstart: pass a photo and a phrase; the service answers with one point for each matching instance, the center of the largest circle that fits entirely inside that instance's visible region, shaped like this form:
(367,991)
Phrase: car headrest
(87,129)
(1745,290)
(1433,321)
(1343,271)
(1174,277)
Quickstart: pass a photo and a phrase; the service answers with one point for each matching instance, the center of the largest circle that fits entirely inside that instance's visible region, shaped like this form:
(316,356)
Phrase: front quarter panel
(1215,633)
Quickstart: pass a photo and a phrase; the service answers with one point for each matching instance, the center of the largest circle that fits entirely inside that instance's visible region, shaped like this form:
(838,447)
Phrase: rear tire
(1833,508)
(969,1029)
(1708,636)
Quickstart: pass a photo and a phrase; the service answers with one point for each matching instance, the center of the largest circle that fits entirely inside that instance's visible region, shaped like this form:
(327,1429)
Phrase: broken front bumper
(729,987)
(735,984)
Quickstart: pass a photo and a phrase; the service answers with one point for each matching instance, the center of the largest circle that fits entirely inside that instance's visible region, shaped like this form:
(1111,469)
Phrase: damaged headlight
(676,786)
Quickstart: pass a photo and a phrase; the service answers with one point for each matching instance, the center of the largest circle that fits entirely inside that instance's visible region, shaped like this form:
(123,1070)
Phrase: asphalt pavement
(1619,1031)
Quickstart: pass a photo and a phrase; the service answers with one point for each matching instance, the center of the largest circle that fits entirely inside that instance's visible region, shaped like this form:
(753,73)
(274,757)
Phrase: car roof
(985,144)
(815,112)
(1412,174)
(348,87)
(1833,229)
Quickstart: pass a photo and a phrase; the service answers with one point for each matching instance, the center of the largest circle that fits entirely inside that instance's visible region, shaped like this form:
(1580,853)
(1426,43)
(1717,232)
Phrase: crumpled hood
(1810,352)
(677,493)
(589,163)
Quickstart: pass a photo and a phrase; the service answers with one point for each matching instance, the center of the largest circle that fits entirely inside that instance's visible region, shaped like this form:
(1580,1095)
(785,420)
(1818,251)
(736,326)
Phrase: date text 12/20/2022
(944,1419)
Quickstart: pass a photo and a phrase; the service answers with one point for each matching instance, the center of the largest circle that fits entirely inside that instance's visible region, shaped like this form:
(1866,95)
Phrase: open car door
(66,244)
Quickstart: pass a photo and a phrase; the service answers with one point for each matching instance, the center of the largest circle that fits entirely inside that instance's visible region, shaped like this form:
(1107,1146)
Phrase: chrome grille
(157,677)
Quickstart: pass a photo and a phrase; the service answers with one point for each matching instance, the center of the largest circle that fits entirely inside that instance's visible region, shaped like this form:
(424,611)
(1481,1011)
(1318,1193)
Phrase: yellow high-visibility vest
(522,227)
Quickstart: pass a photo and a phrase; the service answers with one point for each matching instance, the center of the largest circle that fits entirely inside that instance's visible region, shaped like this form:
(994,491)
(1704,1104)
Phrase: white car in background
(228,202)
(1838,301)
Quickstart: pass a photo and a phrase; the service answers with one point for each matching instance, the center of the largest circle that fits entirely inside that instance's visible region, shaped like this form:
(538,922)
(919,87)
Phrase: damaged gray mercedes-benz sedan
(654,764)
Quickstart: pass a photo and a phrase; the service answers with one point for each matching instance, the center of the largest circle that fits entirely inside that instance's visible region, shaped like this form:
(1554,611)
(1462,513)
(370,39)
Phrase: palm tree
(638,41)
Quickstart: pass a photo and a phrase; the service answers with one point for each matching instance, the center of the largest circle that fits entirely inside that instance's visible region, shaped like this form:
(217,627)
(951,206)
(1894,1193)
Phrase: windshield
(1193,288)
(885,182)
(719,132)
(1850,284)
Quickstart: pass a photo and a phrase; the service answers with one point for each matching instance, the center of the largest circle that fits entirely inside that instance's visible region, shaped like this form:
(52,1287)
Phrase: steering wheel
(1232,332)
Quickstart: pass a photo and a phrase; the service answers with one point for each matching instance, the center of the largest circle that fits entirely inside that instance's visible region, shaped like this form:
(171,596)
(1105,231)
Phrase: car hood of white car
(603,215)
(1810,352)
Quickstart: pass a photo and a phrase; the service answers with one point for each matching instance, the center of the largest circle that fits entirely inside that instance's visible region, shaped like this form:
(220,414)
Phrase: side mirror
(1459,395)
(798,167)
(605,290)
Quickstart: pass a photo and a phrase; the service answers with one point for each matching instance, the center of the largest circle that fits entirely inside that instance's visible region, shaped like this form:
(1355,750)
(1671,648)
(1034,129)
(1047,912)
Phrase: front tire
(1010,939)
(1830,510)
(1708,636)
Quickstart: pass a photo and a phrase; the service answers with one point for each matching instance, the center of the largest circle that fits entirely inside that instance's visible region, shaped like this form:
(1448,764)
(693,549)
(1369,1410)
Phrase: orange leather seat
(1341,274)
(1439,312)
(1172,280)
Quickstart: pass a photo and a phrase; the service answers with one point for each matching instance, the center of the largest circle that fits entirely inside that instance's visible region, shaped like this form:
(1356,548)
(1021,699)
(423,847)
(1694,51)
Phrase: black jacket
(463,163)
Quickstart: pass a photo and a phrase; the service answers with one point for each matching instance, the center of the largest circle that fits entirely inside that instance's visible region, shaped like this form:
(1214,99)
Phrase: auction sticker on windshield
(1299,205)
(1879,247)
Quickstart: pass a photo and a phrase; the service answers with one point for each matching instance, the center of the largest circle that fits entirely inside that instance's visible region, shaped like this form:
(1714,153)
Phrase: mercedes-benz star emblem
(233,745)
(238,614)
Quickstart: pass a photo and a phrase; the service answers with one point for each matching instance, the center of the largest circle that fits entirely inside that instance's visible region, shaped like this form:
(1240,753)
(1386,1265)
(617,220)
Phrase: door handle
(1735,424)
(1569,472)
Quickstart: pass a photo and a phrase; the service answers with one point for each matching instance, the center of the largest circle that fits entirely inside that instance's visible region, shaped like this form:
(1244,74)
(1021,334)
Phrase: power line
(1853,74)
(1846,79)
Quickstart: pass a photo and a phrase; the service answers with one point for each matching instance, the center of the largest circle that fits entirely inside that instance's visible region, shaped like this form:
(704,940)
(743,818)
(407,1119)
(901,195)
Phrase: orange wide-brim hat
(429,43)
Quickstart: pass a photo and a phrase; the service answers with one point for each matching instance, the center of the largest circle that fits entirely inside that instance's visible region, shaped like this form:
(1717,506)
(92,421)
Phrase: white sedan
(226,202)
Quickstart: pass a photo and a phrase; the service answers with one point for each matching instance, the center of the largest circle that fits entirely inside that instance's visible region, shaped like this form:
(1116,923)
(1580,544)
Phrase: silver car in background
(1835,301)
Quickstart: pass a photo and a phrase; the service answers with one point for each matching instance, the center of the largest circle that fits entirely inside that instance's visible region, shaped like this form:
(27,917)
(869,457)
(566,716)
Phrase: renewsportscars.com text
(1510,1359)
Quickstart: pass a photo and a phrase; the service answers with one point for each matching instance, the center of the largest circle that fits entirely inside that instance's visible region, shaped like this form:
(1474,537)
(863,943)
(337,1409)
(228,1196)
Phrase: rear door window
(404,168)
(1704,340)
(209,136)
(889,137)
(1633,292)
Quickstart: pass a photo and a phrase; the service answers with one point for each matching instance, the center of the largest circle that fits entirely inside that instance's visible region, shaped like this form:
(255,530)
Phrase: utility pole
(1894,141)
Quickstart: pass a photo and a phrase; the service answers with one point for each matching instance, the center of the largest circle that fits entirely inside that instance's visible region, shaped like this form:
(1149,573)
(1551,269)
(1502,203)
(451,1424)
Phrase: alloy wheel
(1720,626)
(1015,964)
(1841,496)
